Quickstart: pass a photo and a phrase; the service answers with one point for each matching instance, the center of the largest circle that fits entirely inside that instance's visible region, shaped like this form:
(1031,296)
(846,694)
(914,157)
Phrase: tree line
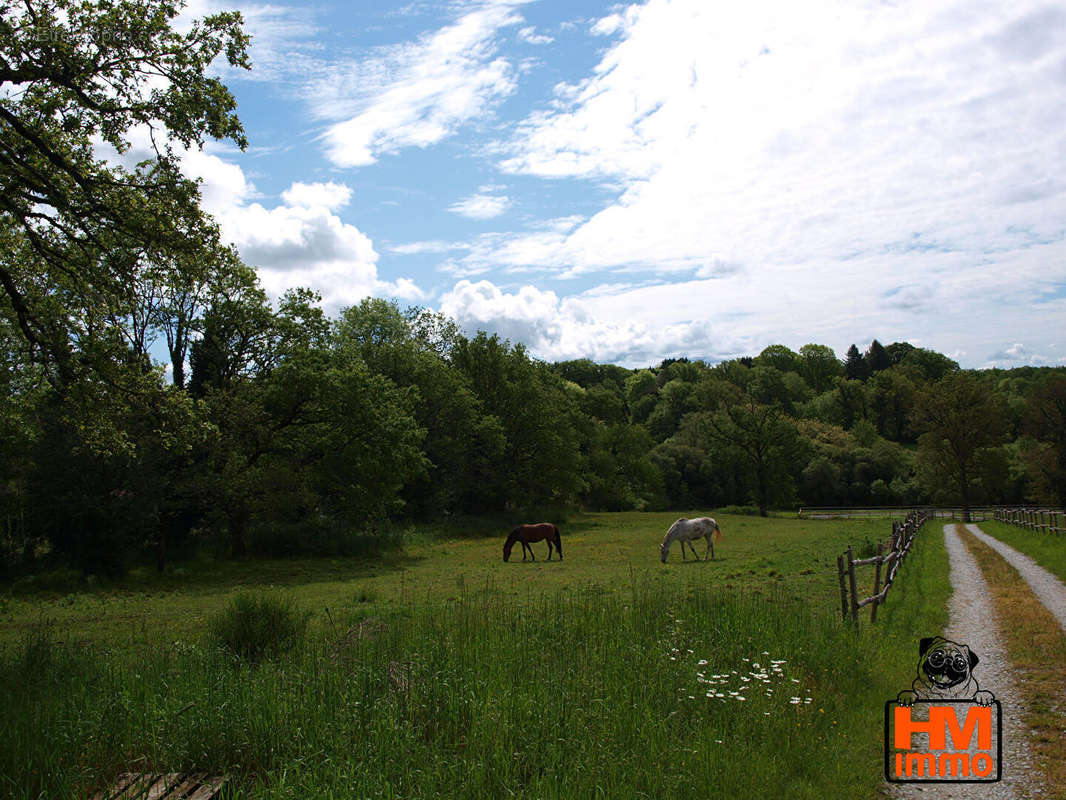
(273,428)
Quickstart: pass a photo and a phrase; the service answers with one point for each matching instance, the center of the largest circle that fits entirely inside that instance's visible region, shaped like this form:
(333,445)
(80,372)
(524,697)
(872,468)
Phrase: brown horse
(533,533)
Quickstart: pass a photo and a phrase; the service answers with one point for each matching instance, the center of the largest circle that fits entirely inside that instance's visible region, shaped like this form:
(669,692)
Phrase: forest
(270,427)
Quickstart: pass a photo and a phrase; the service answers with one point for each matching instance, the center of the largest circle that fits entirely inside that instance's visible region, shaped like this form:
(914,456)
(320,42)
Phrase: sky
(631,182)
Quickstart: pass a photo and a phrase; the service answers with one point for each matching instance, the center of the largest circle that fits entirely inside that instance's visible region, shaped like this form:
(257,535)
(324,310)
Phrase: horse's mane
(670,532)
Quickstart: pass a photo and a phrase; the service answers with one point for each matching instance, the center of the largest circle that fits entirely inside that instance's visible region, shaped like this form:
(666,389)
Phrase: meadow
(439,670)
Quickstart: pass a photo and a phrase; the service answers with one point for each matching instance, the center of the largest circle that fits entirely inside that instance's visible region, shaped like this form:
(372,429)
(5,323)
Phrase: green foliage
(88,73)
(819,366)
(962,424)
(855,366)
(1045,421)
(877,358)
(257,627)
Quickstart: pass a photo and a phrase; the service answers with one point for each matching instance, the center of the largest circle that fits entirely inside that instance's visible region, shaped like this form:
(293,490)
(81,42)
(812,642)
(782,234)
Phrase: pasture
(440,670)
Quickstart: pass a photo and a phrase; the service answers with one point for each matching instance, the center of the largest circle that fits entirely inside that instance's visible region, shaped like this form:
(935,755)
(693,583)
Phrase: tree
(761,435)
(1045,421)
(75,230)
(855,367)
(929,364)
(780,358)
(960,420)
(850,396)
(540,462)
(406,349)
(877,358)
(819,366)
(891,397)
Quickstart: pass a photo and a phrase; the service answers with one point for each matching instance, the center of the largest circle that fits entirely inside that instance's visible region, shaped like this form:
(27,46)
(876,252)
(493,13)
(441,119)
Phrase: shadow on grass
(207,575)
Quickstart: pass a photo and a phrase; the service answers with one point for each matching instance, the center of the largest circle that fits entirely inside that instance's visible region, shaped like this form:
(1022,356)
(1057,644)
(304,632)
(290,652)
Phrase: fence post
(877,582)
(854,591)
(843,589)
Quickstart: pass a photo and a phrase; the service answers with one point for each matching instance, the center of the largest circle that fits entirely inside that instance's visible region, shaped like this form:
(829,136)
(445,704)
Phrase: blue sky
(629,182)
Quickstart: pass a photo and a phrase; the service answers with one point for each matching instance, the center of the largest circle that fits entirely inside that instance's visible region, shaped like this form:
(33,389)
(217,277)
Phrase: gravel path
(973,621)
(1048,588)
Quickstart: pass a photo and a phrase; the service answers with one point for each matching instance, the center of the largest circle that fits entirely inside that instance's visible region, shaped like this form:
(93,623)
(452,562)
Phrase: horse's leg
(550,548)
(525,547)
(710,548)
(683,556)
(532,555)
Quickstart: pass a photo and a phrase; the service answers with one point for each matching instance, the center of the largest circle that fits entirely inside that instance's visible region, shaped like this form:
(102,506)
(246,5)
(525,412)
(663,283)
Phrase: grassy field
(1047,550)
(442,671)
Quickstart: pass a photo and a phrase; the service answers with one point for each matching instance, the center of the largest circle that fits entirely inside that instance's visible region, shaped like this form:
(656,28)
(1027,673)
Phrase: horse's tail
(717,535)
(558,542)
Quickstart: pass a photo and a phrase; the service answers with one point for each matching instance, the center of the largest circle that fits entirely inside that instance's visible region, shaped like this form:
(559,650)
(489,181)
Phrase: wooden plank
(160,786)
(209,789)
(188,783)
(122,782)
(166,787)
(137,788)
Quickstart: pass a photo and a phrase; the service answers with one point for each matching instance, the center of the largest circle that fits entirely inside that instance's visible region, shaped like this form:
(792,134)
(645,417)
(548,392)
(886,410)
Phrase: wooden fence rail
(885,564)
(1045,520)
(977,513)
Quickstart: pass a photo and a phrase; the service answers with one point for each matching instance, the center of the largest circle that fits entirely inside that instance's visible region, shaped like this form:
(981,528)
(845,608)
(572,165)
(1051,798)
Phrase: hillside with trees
(274,428)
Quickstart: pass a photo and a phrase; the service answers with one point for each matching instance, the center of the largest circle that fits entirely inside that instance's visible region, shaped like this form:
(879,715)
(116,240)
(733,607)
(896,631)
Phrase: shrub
(254,627)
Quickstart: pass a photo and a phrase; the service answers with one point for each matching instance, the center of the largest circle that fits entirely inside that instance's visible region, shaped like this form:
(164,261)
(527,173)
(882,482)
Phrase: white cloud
(481,206)
(312,195)
(530,36)
(557,328)
(302,242)
(416,94)
(282,47)
(429,246)
(823,165)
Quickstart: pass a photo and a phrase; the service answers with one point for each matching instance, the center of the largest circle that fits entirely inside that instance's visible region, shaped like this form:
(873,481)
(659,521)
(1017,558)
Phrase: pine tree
(877,358)
(855,367)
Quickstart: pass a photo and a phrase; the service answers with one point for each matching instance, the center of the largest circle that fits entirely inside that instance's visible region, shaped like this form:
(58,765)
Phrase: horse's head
(507,549)
(664,551)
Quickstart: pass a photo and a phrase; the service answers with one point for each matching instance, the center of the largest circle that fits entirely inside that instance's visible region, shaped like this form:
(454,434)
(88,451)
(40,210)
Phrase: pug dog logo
(942,729)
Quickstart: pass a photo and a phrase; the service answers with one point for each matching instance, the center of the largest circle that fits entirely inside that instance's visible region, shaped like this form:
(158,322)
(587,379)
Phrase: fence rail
(1046,520)
(977,513)
(902,540)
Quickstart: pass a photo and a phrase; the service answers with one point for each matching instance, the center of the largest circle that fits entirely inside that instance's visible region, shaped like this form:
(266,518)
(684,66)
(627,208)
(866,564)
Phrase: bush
(254,627)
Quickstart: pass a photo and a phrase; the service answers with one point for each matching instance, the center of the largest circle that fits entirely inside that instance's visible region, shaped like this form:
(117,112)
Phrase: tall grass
(566,694)
(257,626)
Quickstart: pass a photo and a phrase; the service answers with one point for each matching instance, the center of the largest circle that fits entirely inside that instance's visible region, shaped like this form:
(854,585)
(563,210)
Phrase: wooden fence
(903,534)
(1045,520)
(977,513)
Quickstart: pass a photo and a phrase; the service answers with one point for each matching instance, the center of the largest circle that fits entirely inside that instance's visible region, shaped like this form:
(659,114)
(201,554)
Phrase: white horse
(686,530)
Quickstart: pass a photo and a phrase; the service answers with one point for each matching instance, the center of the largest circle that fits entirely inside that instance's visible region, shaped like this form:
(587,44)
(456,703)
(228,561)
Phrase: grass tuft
(259,626)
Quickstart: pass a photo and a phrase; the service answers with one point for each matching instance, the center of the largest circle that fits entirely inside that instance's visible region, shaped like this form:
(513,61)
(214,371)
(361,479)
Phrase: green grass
(450,673)
(798,555)
(1046,549)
